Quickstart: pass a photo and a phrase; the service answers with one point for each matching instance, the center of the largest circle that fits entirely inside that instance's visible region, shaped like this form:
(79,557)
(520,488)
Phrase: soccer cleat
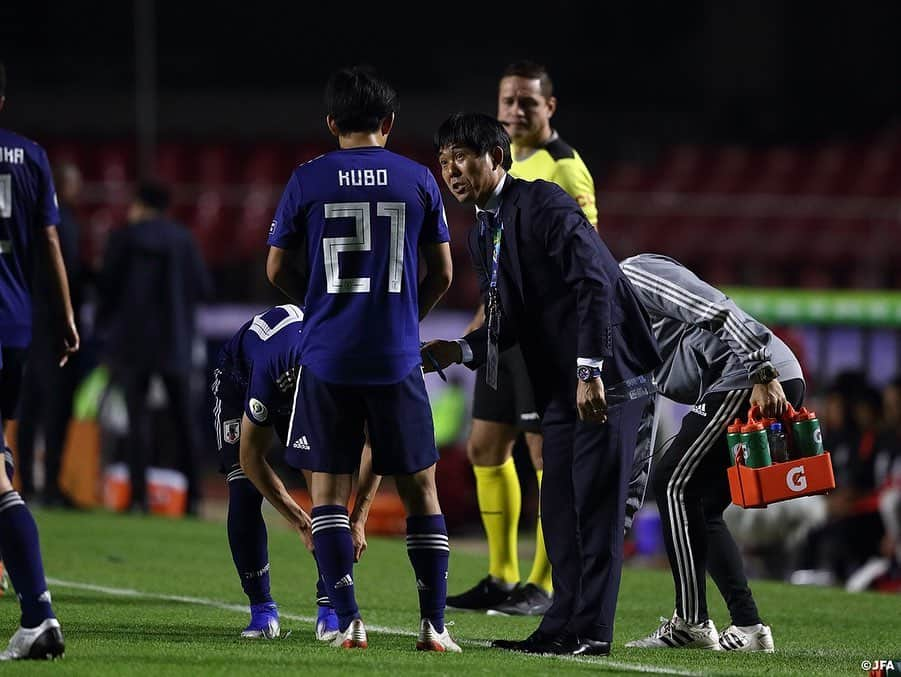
(485,594)
(431,640)
(527,600)
(326,623)
(354,637)
(674,633)
(40,643)
(750,638)
(263,622)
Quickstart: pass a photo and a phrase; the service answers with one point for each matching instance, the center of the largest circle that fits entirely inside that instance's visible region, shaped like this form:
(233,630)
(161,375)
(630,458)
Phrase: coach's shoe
(40,643)
(326,623)
(486,594)
(263,622)
(540,643)
(674,633)
(748,638)
(431,640)
(592,647)
(352,638)
(526,600)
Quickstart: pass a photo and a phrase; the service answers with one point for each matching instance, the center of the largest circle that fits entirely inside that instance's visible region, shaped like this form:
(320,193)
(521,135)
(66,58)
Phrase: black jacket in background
(152,280)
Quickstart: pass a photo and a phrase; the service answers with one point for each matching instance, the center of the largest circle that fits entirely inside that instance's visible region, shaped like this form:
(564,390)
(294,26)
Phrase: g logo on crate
(231,430)
(795,479)
(258,409)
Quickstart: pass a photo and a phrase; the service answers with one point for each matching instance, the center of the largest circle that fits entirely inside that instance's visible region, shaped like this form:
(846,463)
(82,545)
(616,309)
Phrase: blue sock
(335,555)
(247,537)
(429,552)
(10,463)
(22,557)
(321,593)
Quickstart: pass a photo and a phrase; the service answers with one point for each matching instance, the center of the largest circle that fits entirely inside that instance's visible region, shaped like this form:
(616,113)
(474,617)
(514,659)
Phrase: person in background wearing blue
(346,242)
(28,218)
(151,282)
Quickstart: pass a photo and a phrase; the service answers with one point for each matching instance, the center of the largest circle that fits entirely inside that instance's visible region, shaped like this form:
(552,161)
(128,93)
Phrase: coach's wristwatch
(586,373)
(764,374)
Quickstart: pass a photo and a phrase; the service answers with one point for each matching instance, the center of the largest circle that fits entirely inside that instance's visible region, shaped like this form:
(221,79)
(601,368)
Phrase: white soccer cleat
(40,643)
(431,640)
(750,638)
(674,633)
(352,638)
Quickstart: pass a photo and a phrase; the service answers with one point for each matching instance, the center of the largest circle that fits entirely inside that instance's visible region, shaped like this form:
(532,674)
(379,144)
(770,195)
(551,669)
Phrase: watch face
(584,373)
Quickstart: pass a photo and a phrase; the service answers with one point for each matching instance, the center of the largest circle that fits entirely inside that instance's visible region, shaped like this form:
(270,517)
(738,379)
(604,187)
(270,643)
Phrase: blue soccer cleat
(326,623)
(263,622)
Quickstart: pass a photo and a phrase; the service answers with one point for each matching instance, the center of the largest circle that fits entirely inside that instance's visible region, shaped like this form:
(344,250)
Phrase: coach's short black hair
(476,131)
(154,195)
(2,79)
(531,71)
(358,99)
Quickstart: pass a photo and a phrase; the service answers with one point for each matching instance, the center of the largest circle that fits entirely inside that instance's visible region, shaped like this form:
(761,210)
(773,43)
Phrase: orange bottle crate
(758,487)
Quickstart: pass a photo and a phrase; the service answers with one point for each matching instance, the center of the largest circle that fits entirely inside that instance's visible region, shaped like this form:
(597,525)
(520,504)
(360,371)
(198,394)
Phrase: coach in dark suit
(552,285)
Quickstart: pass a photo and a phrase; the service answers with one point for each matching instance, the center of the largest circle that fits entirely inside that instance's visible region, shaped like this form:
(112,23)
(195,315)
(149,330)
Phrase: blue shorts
(328,421)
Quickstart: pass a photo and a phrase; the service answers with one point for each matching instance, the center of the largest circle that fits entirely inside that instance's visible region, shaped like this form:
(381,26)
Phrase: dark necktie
(492,230)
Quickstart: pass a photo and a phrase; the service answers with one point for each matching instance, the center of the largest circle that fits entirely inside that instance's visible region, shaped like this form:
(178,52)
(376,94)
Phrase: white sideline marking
(242,608)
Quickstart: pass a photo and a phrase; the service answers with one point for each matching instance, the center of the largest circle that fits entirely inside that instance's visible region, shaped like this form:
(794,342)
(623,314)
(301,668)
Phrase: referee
(721,360)
(526,103)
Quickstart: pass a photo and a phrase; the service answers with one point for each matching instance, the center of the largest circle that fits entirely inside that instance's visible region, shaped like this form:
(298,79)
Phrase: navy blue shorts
(12,367)
(328,420)
(228,409)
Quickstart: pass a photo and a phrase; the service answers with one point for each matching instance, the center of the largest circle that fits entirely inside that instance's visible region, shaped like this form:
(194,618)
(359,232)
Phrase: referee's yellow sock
(500,502)
(541,566)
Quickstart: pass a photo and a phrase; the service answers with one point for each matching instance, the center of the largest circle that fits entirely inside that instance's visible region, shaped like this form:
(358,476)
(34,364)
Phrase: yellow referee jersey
(559,162)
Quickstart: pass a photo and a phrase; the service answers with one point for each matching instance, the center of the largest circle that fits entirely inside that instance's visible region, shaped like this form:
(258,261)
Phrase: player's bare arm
(367,486)
(255,442)
(57,269)
(284,272)
(439,273)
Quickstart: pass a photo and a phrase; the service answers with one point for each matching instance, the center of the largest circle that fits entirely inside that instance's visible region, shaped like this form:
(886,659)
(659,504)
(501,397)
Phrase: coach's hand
(304,527)
(444,353)
(591,402)
(770,398)
(358,534)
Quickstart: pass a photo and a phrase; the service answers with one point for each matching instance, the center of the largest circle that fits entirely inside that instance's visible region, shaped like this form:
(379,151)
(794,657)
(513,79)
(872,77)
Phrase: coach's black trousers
(692,491)
(583,501)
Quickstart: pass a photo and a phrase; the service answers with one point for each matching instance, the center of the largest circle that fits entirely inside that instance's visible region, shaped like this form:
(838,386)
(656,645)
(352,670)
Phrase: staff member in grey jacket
(721,360)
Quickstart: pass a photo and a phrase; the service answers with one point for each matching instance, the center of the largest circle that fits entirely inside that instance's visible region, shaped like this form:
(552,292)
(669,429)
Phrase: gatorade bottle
(757,449)
(808,436)
(777,442)
(733,439)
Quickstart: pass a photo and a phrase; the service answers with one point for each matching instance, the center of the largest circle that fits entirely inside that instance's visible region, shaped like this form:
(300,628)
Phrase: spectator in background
(48,389)
(151,281)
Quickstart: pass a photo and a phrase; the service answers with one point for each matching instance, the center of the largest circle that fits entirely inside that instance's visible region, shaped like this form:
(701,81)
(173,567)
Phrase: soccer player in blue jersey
(28,218)
(253,384)
(346,241)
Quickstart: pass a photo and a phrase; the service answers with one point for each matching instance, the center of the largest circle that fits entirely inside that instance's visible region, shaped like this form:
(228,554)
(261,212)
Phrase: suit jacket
(562,294)
(152,280)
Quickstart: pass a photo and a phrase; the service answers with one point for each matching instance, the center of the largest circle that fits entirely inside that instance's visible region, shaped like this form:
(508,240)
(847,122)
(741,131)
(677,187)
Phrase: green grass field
(152,596)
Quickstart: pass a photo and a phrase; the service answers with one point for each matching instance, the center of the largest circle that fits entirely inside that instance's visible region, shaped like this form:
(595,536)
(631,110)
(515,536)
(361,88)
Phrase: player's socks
(22,556)
(429,552)
(10,463)
(335,555)
(321,593)
(541,565)
(500,502)
(247,537)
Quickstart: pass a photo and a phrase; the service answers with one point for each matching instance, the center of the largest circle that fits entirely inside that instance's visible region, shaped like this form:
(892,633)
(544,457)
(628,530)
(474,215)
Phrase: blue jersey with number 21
(360,214)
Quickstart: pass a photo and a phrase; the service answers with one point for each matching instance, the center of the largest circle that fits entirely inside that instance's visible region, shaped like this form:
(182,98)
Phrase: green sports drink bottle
(733,439)
(757,447)
(808,436)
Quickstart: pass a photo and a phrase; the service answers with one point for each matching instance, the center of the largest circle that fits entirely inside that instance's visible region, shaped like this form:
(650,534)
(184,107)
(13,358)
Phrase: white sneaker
(674,633)
(43,642)
(352,638)
(751,638)
(431,640)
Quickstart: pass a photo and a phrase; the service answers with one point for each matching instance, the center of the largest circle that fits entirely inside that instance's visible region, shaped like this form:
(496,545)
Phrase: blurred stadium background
(757,142)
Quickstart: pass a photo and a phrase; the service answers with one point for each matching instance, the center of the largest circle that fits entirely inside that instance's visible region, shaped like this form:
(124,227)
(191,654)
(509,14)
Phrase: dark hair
(358,99)
(153,194)
(476,131)
(2,79)
(532,71)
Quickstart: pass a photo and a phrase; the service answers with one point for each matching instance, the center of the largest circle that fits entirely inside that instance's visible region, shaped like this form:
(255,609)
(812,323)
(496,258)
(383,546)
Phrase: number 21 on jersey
(361,241)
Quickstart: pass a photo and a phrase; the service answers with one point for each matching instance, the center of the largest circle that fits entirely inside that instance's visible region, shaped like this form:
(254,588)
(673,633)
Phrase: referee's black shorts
(513,402)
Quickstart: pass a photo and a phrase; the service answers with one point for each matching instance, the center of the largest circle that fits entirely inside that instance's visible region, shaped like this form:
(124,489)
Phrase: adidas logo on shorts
(301,443)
